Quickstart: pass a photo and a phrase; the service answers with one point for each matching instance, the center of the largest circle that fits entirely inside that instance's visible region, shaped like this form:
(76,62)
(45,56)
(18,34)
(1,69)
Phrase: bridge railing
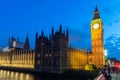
(100,77)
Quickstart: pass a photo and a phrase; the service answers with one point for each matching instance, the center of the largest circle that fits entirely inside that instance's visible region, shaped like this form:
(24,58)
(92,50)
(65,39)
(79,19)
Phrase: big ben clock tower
(98,58)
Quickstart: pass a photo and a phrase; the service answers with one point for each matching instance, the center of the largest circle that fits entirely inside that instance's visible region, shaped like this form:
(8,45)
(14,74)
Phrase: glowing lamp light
(105,52)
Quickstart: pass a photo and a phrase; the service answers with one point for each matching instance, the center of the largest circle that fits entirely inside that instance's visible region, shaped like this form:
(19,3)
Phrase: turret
(9,40)
(36,41)
(17,39)
(27,45)
(60,28)
(42,33)
(67,34)
(12,38)
(52,31)
(36,35)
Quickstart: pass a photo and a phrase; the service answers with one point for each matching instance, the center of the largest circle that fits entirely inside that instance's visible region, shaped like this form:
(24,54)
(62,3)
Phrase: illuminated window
(50,55)
(100,35)
(46,55)
(97,43)
(38,55)
(93,43)
(96,36)
(100,42)
(94,49)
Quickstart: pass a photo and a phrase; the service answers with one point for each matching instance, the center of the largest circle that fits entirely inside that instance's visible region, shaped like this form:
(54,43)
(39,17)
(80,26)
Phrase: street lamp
(105,53)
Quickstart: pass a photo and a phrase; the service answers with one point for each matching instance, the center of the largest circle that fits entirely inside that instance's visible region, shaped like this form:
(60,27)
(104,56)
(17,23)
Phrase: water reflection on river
(10,75)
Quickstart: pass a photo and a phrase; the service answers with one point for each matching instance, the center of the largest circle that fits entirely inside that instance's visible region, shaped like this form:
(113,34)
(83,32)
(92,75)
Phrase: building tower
(27,44)
(59,47)
(98,58)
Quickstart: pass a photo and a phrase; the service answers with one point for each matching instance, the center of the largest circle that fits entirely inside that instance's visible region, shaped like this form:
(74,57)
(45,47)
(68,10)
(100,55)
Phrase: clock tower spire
(98,58)
(96,14)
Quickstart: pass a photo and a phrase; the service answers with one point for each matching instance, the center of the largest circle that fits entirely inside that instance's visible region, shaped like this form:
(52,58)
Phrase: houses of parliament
(53,54)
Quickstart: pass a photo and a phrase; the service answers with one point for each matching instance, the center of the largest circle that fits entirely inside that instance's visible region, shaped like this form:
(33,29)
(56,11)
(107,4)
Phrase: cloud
(111,17)
(112,44)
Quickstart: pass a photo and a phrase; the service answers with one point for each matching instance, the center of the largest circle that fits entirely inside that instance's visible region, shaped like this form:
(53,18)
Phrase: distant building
(6,49)
(15,44)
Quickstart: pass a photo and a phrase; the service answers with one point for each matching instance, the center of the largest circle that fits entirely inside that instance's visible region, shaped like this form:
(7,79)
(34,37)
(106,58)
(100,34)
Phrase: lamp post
(105,53)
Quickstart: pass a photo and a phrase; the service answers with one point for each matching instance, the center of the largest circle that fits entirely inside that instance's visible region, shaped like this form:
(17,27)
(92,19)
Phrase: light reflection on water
(10,75)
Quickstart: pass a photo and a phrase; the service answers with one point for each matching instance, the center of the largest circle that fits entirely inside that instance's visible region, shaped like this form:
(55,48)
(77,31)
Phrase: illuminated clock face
(96,26)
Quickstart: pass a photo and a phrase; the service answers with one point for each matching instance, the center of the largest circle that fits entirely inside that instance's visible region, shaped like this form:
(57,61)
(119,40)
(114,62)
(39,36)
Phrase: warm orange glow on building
(20,59)
(97,40)
(77,59)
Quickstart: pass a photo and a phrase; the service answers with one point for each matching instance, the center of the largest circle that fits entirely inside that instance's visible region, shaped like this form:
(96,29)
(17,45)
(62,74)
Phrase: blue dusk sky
(21,17)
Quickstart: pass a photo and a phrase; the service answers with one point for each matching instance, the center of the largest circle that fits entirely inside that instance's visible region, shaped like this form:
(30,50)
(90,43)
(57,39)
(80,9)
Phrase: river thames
(11,75)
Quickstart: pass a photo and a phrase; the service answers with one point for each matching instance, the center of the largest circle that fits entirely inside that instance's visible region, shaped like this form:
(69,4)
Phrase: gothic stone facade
(50,55)
(53,54)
